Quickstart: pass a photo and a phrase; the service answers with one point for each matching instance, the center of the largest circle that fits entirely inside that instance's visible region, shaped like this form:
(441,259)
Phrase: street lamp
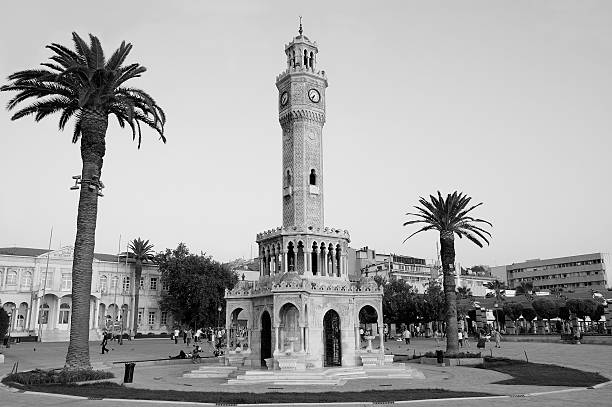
(219,315)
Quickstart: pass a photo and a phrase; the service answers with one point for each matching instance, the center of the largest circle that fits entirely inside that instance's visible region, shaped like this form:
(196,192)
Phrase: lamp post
(219,309)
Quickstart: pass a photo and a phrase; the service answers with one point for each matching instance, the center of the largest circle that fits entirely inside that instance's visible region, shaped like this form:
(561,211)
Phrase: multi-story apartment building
(476,281)
(583,272)
(36,290)
(413,270)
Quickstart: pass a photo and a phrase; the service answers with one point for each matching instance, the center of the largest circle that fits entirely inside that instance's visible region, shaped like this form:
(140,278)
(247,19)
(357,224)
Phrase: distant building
(36,290)
(499,273)
(413,270)
(243,267)
(583,272)
(476,281)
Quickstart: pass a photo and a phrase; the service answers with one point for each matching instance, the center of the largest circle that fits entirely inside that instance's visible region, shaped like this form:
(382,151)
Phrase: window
(140,312)
(43,316)
(26,280)
(151,317)
(164,318)
(66,282)
(114,282)
(46,279)
(165,285)
(64,314)
(20,321)
(153,283)
(313,177)
(126,284)
(11,278)
(103,284)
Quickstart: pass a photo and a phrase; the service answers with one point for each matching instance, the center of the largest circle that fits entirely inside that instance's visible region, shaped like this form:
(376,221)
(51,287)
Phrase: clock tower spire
(301,107)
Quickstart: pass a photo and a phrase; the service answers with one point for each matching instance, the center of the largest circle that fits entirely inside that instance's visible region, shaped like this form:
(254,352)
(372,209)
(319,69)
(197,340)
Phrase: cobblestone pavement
(596,358)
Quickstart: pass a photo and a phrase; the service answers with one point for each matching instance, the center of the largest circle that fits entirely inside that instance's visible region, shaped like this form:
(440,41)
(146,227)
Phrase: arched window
(103,284)
(313,177)
(114,282)
(293,59)
(26,280)
(20,321)
(288,178)
(305,59)
(311,60)
(64,315)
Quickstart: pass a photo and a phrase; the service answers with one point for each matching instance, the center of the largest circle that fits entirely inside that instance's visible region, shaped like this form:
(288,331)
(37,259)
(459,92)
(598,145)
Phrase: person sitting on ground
(181,355)
(195,354)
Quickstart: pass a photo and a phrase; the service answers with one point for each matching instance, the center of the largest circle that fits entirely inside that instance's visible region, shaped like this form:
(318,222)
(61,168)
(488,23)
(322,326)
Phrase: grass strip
(102,390)
(539,374)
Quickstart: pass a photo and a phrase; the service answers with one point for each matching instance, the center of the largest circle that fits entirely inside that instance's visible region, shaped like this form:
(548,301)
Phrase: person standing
(460,337)
(497,337)
(189,336)
(406,336)
(176,335)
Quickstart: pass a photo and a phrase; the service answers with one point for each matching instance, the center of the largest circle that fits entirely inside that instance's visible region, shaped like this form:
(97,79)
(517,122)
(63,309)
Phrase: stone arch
(332,339)
(300,264)
(291,256)
(314,257)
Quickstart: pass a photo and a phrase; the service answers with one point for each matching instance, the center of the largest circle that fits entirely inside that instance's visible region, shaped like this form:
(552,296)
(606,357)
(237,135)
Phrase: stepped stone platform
(207,372)
(330,376)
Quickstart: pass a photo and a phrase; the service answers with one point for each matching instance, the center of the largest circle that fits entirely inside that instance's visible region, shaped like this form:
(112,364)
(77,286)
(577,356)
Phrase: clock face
(314,95)
(284,98)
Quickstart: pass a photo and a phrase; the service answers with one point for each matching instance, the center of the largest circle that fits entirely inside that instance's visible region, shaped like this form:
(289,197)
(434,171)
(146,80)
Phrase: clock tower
(301,107)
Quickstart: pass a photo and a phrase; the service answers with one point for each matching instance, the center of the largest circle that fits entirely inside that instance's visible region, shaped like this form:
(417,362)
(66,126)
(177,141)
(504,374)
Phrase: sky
(507,101)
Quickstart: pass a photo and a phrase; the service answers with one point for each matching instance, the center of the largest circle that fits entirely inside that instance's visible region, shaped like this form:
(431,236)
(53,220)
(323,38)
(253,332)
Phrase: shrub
(39,376)
(460,355)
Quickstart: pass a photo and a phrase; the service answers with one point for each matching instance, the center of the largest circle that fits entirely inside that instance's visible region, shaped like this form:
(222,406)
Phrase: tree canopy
(196,286)
(400,301)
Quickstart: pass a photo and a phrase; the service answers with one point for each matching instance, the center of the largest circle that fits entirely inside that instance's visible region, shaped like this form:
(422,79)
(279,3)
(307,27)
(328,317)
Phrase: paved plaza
(595,358)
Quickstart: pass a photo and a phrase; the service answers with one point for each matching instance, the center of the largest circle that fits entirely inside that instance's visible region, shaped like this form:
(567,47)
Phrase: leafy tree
(4,323)
(513,311)
(597,312)
(546,308)
(400,301)
(141,252)
(84,85)
(529,314)
(464,292)
(449,217)
(582,307)
(433,307)
(556,292)
(196,285)
(478,269)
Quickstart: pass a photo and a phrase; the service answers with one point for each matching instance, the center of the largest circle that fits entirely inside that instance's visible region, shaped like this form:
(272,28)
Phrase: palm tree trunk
(93,148)
(137,276)
(447,253)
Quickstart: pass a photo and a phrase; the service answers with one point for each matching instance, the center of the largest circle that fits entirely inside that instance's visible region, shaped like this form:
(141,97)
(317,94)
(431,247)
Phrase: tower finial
(300,30)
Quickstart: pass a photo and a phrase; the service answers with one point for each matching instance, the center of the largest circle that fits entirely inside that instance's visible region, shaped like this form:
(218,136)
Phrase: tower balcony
(310,230)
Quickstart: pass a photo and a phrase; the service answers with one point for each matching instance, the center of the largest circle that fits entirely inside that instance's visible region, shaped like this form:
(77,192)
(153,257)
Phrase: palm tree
(450,217)
(83,85)
(464,292)
(142,251)
(499,289)
(525,288)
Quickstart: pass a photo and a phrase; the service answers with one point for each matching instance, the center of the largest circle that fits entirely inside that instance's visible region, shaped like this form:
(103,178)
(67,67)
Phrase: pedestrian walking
(104,343)
(406,336)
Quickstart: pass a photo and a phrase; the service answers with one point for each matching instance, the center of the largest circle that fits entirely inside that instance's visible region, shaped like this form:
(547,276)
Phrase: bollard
(128,376)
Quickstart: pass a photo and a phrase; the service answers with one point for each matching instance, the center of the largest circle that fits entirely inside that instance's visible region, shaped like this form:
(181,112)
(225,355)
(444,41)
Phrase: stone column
(306,334)
(262,271)
(35,309)
(381,336)
(277,339)
(332,263)
(307,263)
(303,339)
(357,339)
(324,261)
(285,266)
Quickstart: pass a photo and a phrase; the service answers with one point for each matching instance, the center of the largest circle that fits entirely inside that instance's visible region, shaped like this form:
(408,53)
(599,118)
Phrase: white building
(36,290)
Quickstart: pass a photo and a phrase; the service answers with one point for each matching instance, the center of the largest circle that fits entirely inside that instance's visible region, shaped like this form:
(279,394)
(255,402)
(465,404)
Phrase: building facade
(36,290)
(303,312)
(584,272)
(415,271)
